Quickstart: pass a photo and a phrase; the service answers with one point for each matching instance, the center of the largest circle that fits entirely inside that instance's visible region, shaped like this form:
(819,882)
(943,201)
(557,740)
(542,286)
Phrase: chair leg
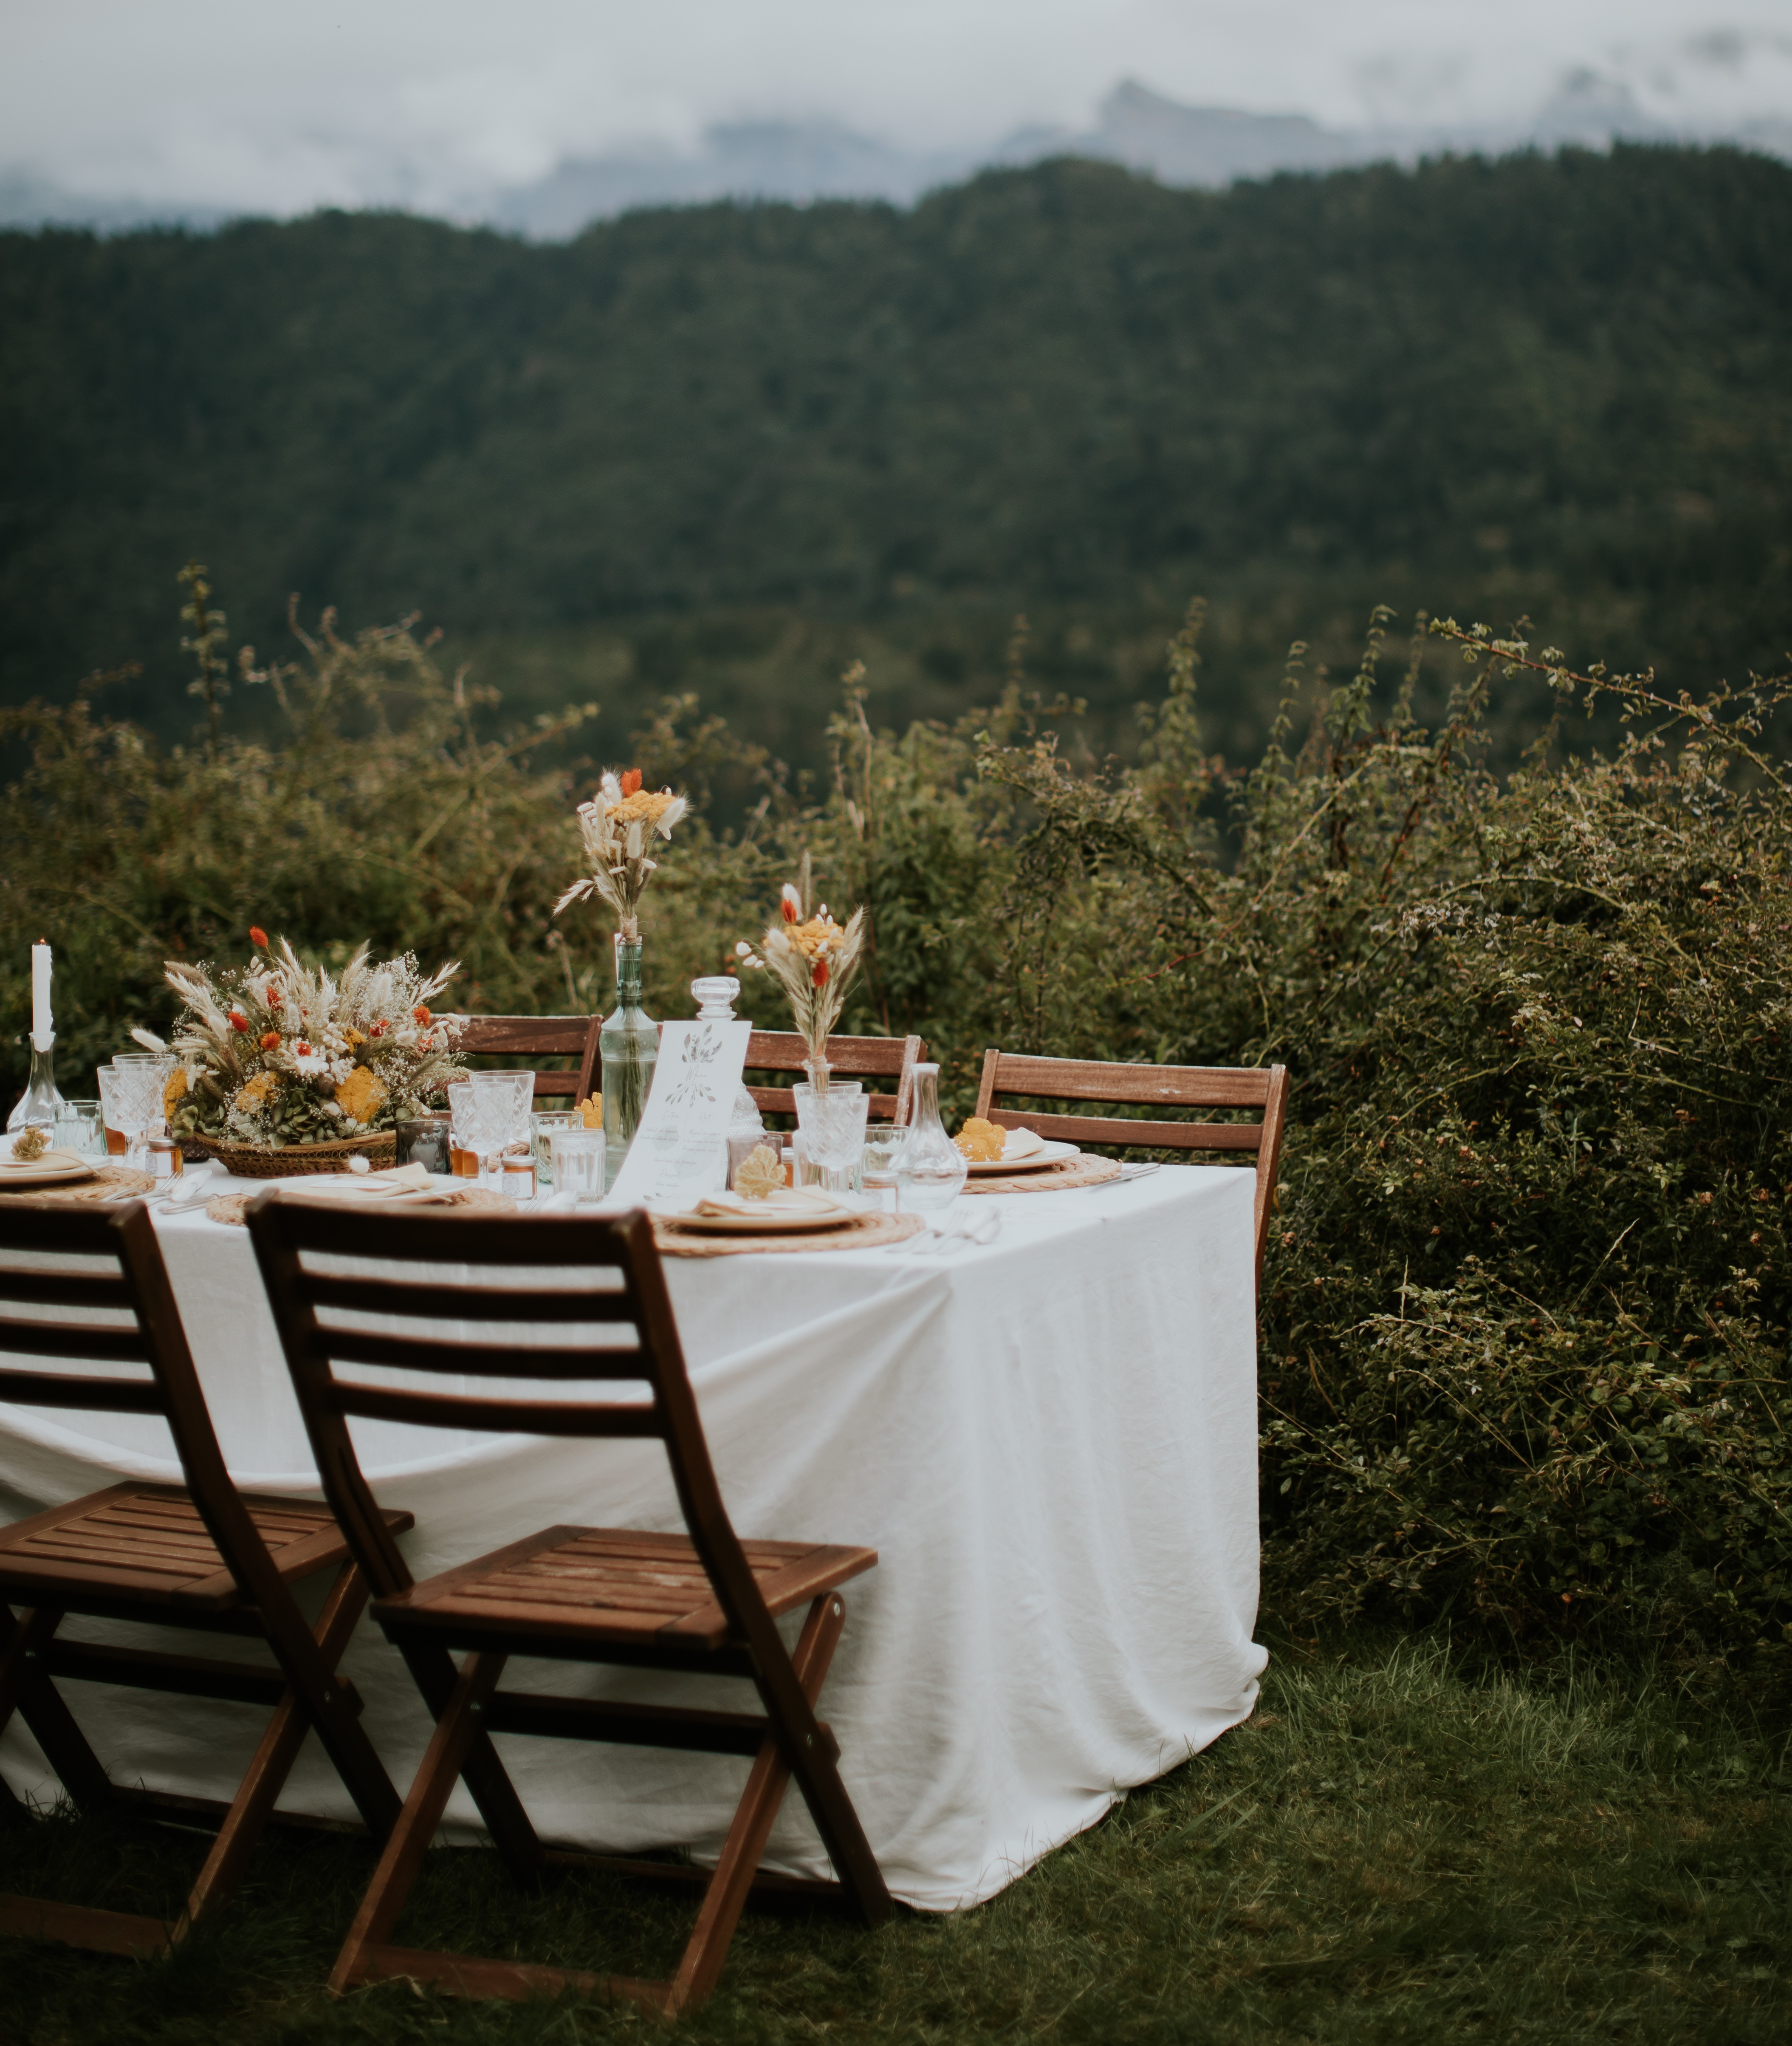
(818,1778)
(312,1661)
(456,1729)
(256,1795)
(726,1897)
(25,1684)
(512,1830)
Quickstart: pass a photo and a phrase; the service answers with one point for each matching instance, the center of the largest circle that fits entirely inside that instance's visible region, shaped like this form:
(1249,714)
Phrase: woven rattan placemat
(229,1207)
(870,1231)
(109,1183)
(1081,1171)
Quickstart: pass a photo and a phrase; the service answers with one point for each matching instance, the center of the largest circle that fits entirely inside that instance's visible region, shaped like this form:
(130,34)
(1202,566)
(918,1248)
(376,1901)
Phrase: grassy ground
(1392,1850)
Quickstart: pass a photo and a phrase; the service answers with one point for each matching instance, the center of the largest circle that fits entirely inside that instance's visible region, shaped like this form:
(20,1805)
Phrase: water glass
(831,1128)
(464,1147)
(502,1099)
(116,1146)
(138,1082)
(575,1155)
(541,1128)
(881,1164)
(80,1127)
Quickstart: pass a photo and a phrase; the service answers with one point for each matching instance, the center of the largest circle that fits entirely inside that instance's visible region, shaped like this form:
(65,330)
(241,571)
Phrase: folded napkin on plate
(409,1183)
(1021,1144)
(788,1201)
(46,1161)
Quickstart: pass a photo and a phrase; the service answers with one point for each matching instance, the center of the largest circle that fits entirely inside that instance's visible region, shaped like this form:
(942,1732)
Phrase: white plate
(1047,1154)
(776,1221)
(43,1175)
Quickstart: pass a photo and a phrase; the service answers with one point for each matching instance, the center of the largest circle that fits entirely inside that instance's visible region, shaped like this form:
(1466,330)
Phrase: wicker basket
(244,1161)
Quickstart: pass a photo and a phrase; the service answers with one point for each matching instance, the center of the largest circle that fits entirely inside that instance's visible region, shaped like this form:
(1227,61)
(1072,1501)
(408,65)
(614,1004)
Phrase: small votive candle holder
(80,1128)
(425,1141)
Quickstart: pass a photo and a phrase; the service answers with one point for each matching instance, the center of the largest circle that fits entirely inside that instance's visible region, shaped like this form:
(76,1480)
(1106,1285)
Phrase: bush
(1524,1317)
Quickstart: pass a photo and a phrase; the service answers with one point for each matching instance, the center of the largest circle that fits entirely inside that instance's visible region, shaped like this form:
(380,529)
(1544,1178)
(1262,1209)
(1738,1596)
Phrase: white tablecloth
(1051,1441)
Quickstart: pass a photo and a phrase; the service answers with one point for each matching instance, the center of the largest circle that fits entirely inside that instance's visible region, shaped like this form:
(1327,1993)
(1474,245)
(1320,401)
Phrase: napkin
(46,1161)
(1021,1144)
(409,1183)
(789,1201)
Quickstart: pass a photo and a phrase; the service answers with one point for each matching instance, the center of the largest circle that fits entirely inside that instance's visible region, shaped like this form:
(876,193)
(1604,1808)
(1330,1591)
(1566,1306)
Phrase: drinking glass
(116,1147)
(576,1154)
(138,1080)
(80,1128)
(881,1163)
(463,1153)
(541,1128)
(830,1123)
(504,1097)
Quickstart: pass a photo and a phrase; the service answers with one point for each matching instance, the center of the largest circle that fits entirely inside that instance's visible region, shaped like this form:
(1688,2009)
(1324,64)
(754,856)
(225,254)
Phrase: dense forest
(728,447)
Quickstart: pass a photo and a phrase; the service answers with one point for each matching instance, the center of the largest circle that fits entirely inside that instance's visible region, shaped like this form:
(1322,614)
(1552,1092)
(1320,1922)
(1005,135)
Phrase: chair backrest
(327,1271)
(527,1038)
(47,1259)
(853,1058)
(1261,1088)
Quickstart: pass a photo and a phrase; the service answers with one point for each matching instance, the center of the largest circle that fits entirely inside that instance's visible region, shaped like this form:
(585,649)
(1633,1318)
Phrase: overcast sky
(282,105)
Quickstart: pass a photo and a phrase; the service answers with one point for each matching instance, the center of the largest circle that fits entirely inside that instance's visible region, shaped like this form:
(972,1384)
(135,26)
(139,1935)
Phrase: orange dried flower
(630,782)
(238,1020)
(269,1040)
(819,976)
(258,936)
(420,1014)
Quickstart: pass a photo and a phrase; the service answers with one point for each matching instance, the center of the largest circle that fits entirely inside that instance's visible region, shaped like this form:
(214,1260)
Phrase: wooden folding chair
(1264,1087)
(852,1058)
(703,1602)
(206,1556)
(530,1037)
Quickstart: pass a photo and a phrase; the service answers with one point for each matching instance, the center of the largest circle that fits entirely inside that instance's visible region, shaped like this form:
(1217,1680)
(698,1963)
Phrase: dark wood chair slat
(487,1360)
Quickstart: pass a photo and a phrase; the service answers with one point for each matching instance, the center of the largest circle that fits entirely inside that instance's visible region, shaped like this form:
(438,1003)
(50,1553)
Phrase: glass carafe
(715,994)
(932,1168)
(39,1101)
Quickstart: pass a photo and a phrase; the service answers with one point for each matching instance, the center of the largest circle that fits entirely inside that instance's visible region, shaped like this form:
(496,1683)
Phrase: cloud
(253,105)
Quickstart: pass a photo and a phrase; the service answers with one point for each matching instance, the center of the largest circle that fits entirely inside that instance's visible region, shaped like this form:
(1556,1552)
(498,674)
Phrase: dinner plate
(43,1175)
(773,1224)
(1048,1153)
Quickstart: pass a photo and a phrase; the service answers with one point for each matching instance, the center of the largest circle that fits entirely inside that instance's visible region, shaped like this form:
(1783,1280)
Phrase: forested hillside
(1561,386)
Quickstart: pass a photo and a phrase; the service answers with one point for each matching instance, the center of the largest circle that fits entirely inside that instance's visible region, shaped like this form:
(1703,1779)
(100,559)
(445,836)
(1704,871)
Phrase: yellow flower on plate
(253,1093)
(362,1095)
(174,1090)
(982,1142)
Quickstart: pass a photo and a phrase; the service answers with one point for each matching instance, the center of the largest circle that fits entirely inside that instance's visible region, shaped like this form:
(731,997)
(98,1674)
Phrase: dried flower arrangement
(618,825)
(814,959)
(981,1141)
(277,1053)
(30,1144)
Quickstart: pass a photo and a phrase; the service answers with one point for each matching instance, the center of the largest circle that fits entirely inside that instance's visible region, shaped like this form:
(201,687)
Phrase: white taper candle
(41,1031)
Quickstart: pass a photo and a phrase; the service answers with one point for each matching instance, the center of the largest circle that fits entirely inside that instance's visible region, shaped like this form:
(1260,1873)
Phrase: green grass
(1396,1848)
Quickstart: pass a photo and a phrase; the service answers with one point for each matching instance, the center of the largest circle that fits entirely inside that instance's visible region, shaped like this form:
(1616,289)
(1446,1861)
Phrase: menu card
(680,1150)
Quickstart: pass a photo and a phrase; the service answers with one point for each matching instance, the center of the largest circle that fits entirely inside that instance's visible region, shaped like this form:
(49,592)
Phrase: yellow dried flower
(759,1173)
(641,808)
(362,1095)
(981,1141)
(30,1143)
(253,1093)
(174,1090)
(351,1038)
(591,1109)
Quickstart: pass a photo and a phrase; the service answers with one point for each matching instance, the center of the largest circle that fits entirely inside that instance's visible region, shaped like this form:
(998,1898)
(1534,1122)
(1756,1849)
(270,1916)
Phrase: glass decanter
(39,1101)
(715,994)
(932,1168)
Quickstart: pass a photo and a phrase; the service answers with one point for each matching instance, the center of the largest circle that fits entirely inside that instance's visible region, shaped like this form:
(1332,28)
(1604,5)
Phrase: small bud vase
(628,1044)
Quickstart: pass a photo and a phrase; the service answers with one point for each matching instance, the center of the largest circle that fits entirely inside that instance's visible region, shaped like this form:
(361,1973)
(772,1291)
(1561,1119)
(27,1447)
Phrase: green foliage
(1393,1849)
(1525,1317)
(696,440)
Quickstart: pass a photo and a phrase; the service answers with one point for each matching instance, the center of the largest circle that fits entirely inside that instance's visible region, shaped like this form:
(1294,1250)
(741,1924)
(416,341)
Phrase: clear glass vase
(932,1168)
(39,1101)
(628,1046)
